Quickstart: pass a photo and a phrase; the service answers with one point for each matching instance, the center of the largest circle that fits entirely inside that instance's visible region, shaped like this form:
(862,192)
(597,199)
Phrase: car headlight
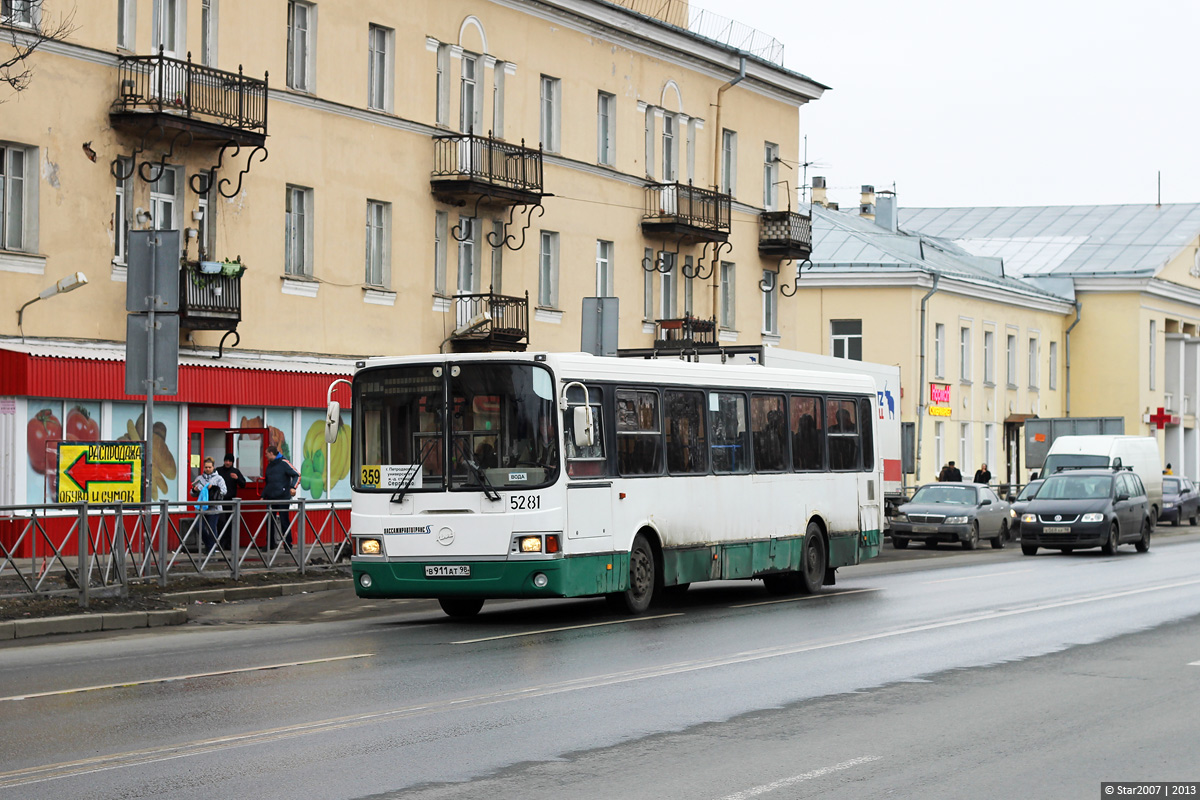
(369,547)
(956,520)
(1028,518)
(1012,512)
(1095,517)
(900,518)
(1168,505)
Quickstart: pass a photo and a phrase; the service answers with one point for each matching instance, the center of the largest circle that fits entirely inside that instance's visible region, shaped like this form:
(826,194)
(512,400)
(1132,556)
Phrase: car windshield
(1076,487)
(1170,486)
(1055,462)
(953,495)
(1030,491)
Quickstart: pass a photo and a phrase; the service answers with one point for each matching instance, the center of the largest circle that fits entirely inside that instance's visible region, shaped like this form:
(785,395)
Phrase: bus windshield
(493,424)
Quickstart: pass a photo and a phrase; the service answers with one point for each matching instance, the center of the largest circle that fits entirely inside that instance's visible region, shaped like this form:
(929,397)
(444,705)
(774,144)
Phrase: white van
(1139,452)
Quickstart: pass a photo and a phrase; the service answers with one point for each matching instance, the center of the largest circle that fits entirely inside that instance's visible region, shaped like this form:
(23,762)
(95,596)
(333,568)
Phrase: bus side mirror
(584,425)
(333,419)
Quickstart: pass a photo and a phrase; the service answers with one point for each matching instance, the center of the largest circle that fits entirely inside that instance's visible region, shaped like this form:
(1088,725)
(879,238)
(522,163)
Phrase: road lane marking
(49,772)
(173,678)
(567,628)
(817,596)
(803,776)
(1194,664)
(976,577)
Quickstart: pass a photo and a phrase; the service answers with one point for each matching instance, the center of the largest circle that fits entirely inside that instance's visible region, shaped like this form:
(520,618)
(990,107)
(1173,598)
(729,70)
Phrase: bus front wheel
(460,607)
(636,598)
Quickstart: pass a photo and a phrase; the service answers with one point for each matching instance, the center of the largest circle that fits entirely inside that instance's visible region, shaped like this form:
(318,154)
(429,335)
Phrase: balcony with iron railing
(467,167)
(684,333)
(209,301)
(687,212)
(487,321)
(785,234)
(179,94)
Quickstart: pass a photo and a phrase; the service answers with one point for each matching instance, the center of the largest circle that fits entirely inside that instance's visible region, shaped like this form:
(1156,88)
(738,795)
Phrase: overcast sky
(978,102)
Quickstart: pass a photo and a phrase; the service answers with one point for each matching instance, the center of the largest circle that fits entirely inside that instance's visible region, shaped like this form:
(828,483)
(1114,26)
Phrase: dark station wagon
(1083,508)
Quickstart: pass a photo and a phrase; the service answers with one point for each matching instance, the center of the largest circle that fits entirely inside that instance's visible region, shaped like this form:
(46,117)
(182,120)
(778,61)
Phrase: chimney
(887,213)
(866,207)
(818,191)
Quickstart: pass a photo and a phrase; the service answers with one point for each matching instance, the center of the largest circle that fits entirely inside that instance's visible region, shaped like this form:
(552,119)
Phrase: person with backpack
(209,486)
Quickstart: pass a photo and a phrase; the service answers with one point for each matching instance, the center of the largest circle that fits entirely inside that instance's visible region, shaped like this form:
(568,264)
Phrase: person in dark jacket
(983,475)
(952,473)
(281,480)
(235,481)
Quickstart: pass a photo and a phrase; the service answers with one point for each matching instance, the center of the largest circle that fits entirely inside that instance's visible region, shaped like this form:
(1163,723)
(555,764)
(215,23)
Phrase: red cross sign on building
(1161,419)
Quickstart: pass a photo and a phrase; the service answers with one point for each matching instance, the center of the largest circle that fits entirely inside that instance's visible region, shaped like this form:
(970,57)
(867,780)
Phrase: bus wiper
(489,491)
(426,449)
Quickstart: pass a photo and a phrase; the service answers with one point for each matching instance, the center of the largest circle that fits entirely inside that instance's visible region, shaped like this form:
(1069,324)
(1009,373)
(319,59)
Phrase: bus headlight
(531,544)
(369,547)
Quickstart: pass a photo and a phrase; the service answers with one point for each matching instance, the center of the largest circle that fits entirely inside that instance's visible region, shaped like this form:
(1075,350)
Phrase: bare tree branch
(20,41)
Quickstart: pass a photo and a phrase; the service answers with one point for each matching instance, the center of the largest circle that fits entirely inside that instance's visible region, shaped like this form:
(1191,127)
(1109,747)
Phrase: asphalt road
(923,674)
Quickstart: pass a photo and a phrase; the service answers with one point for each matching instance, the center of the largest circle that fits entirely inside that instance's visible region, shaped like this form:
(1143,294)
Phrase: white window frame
(939,350)
(770,306)
(728,162)
(1033,363)
(18,197)
(469,95)
(989,443)
(964,353)
(441,112)
(498,71)
(441,227)
(1053,376)
(606,139)
(127,25)
(166,206)
(298,231)
(380,67)
(728,295)
(648,287)
(668,285)
(208,32)
(550,103)
(171,37)
(770,176)
(548,270)
(121,211)
(670,149)
(20,13)
(604,268)
(378,254)
(469,277)
(989,358)
(845,340)
(1010,360)
(964,445)
(939,446)
(301,46)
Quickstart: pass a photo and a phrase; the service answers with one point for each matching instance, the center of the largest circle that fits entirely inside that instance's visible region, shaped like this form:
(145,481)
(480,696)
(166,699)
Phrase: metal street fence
(92,550)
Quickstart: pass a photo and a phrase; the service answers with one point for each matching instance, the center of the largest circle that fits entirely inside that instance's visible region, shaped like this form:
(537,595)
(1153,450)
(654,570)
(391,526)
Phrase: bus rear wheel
(815,560)
(636,598)
(460,607)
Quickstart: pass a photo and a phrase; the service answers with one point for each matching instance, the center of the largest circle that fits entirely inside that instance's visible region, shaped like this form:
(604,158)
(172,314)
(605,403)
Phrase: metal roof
(1066,240)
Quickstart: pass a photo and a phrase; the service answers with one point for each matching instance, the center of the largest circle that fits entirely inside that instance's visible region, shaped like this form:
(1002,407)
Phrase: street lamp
(67,284)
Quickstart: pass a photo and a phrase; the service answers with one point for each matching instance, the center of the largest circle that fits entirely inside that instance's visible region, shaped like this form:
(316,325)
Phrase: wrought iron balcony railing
(785,233)
(684,332)
(209,302)
(488,320)
(684,208)
(169,85)
(483,160)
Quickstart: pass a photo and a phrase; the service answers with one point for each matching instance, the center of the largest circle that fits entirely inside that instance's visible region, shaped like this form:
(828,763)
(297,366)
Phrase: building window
(648,286)
(1011,358)
(989,357)
(939,350)
(770,307)
(164,202)
(498,100)
(689,283)
(208,32)
(606,143)
(300,44)
(468,110)
(18,12)
(121,212)
(668,279)
(964,446)
(441,225)
(548,271)
(298,232)
(168,28)
(846,338)
(1153,350)
(770,176)
(550,101)
(379,68)
(126,23)
(468,255)
(497,257)
(669,150)
(964,353)
(379,224)
(728,162)
(604,268)
(18,197)
(1033,363)
(1053,366)
(939,446)
(441,112)
(206,231)
(728,295)
(989,443)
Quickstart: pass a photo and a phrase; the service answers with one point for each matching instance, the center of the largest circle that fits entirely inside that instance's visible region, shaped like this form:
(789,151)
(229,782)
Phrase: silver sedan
(952,512)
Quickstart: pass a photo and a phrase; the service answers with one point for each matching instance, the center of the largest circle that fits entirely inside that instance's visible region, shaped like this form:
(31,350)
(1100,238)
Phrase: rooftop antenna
(1160,188)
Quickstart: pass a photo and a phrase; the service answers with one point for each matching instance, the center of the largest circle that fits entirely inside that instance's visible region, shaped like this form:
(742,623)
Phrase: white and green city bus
(526,475)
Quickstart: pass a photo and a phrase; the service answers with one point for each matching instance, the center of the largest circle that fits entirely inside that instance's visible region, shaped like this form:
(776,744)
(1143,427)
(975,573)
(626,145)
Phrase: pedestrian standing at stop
(235,481)
(281,480)
(208,486)
(982,475)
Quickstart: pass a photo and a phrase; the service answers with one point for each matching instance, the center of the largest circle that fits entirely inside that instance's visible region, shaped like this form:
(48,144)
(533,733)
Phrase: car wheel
(1143,544)
(972,540)
(998,541)
(636,598)
(1029,549)
(1113,541)
(460,607)
(899,542)
(1192,520)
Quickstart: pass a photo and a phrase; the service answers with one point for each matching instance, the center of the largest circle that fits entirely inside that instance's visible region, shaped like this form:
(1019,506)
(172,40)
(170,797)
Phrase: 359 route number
(524,502)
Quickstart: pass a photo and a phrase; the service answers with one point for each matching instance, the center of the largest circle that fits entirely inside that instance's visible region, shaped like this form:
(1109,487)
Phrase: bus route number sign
(390,476)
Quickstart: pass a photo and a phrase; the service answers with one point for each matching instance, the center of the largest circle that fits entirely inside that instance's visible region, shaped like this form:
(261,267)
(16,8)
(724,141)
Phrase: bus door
(870,479)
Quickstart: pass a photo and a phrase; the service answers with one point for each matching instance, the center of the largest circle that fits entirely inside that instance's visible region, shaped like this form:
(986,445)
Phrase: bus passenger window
(687,450)
(808,436)
(768,424)
(639,435)
(842,418)
(730,432)
(584,462)
(868,444)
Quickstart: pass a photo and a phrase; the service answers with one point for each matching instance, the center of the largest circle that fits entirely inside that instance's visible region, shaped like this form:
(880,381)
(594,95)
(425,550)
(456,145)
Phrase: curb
(129,620)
